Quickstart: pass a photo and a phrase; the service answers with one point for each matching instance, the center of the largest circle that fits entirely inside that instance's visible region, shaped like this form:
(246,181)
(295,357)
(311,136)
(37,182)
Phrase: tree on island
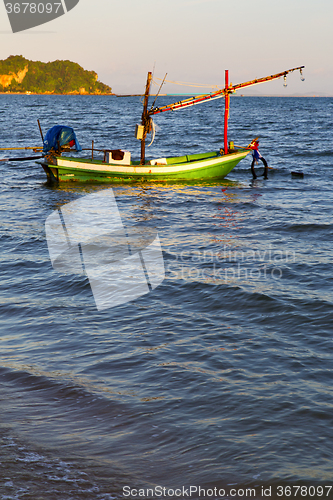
(20,75)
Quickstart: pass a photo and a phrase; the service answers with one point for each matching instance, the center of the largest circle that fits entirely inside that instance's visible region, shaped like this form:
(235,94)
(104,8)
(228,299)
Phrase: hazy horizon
(190,40)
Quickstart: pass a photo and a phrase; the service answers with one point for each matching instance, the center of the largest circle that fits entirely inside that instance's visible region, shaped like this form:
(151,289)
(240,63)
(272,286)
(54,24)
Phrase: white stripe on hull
(148,169)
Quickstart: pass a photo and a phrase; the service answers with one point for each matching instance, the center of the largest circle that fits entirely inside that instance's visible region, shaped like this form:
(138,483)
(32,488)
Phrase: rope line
(188,84)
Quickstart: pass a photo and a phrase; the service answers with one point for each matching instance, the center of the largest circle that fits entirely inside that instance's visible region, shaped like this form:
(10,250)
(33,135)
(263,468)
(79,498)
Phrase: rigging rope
(188,84)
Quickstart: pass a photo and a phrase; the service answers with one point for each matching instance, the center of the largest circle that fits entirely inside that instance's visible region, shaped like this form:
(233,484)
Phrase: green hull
(194,167)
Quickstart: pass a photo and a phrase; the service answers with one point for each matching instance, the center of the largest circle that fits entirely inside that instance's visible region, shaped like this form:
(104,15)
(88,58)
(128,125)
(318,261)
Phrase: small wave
(311,229)
(28,473)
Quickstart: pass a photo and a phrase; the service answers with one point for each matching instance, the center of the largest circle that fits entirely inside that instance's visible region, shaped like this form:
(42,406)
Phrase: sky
(190,40)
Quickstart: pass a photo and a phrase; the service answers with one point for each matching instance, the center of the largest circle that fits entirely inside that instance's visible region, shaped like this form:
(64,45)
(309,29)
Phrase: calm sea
(221,377)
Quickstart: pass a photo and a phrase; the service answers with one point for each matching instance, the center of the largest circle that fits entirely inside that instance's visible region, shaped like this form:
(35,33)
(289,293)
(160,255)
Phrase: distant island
(21,76)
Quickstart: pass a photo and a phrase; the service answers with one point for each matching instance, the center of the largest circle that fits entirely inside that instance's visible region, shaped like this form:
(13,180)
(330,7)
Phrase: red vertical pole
(226,112)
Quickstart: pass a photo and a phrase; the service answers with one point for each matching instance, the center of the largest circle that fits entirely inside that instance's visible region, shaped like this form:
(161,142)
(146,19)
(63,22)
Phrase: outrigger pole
(34,148)
(228,89)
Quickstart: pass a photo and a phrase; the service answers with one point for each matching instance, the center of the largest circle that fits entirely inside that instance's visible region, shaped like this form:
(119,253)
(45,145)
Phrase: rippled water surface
(221,377)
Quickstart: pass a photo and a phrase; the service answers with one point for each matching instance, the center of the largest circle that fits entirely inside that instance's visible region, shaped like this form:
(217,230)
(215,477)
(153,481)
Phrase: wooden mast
(145,119)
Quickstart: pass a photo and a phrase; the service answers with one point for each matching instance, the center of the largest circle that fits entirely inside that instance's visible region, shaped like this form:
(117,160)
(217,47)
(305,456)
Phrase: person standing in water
(256,156)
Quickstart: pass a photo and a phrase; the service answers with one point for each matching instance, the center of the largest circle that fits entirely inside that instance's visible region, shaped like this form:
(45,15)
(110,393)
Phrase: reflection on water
(222,374)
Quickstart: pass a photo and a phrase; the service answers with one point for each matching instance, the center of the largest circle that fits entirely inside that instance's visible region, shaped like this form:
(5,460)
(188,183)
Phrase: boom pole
(265,79)
(192,101)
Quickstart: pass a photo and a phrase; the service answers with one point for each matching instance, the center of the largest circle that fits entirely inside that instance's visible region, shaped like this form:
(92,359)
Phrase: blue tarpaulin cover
(60,134)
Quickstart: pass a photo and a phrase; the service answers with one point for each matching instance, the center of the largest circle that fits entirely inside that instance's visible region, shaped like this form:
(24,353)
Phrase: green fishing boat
(118,165)
(204,166)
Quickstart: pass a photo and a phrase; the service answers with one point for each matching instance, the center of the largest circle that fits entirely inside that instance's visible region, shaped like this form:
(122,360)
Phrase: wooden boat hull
(201,166)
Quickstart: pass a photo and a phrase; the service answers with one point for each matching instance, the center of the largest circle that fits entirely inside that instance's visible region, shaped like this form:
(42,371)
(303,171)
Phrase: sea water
(221,377)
